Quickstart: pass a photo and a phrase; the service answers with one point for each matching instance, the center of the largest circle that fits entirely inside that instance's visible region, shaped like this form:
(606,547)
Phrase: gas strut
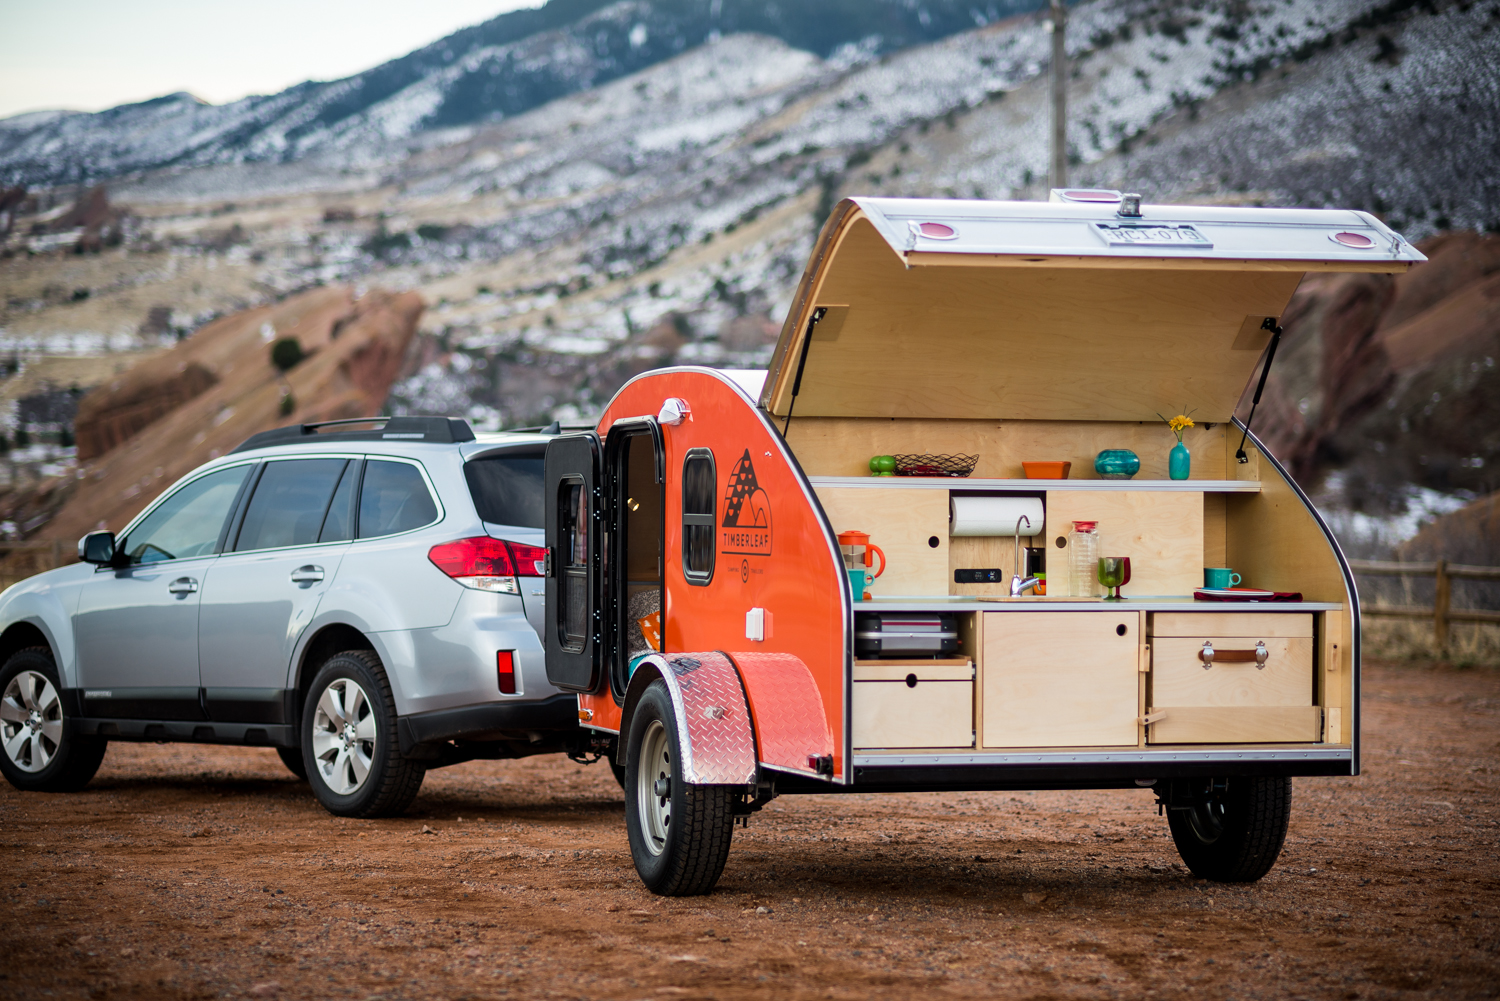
(1269,323)
(802,362)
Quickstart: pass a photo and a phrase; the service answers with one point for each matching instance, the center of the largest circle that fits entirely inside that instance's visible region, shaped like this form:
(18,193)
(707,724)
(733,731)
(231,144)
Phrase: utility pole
(1059,173)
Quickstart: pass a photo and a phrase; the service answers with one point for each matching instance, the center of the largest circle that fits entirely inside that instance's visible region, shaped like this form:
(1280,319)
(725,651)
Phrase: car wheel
(349,747)
(679,833)
(1234,829)
(292,758)
(37,753)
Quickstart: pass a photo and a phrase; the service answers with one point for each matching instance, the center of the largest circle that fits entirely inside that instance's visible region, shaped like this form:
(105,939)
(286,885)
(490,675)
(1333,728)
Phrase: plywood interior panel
(1256,625)
(1162,533)
(1238,725)
(1045,344)
(1275,543)
(902,523)
(1178,677)
(1060,679)
(843,446)
(1215,531)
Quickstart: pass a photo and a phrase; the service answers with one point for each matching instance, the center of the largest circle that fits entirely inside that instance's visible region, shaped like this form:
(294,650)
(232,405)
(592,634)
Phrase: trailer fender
(716,740)
(791,725)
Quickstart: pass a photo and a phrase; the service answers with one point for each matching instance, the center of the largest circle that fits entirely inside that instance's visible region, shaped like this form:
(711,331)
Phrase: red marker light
(505,671)
(1357,241)
(937,231)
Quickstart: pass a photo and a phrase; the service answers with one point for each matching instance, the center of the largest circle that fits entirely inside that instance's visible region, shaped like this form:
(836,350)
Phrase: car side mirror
(97,548)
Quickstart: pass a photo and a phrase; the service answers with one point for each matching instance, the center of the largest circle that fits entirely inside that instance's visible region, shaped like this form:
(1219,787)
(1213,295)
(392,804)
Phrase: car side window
(393,498)
(289,504)
(189,522)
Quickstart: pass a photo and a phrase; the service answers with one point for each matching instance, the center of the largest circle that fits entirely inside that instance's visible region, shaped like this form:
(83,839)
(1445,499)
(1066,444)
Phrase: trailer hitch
(753,800)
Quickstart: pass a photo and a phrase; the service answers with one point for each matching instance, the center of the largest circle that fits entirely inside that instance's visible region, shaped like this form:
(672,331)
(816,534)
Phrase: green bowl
(1117,464)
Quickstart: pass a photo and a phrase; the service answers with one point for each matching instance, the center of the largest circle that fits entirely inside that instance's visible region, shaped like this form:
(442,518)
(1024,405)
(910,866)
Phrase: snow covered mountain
(497,69)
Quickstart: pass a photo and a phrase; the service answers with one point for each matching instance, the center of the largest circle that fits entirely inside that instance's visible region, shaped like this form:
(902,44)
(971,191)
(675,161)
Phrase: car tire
(349,746)
(37,751)
(1235,827)
(292,758)
(679,833)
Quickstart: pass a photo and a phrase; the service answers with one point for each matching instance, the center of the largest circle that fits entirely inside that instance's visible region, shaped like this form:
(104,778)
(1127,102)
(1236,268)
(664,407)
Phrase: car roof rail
(433,430)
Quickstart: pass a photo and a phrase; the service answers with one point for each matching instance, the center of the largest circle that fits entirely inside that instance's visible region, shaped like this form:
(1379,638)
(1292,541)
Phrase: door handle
(182,585)
(307,575)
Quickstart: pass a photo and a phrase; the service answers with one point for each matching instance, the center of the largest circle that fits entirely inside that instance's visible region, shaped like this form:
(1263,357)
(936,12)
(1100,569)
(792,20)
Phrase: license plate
(1181,235)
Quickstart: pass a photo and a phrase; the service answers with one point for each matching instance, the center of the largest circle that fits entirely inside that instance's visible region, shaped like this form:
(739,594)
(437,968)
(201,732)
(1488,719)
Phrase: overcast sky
(95,54)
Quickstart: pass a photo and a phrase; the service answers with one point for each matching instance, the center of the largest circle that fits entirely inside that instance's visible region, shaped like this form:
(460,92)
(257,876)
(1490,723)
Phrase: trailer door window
(698,497)
(573,521)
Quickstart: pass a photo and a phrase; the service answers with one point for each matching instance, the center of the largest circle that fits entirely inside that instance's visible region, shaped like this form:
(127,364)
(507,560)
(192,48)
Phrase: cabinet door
(1061,679)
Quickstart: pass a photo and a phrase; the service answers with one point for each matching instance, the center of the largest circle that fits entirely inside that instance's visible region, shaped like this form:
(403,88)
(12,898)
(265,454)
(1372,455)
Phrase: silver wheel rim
(31,721)
(343,736)
(654,787)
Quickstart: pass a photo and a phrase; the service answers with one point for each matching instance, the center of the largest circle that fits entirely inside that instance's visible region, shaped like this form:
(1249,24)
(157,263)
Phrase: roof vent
(1096,196)
(1357,241)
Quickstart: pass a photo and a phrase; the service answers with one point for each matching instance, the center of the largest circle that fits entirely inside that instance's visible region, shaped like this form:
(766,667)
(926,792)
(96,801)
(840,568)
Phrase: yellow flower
(1180,423)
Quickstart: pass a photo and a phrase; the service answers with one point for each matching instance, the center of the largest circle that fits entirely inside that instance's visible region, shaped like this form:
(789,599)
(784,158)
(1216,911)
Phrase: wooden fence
(1440,613)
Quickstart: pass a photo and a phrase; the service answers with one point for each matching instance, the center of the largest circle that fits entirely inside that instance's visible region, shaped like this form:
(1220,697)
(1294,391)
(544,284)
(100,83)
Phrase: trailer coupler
(593,748)
(753,799)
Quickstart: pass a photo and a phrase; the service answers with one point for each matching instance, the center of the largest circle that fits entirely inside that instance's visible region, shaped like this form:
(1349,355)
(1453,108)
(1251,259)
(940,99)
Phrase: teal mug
(859,580)
(1220,577)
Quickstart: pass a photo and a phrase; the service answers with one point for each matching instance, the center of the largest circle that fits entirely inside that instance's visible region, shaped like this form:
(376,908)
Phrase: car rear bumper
(491,721)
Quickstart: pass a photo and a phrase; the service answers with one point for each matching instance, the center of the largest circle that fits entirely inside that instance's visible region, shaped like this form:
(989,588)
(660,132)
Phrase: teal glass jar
(1117,464)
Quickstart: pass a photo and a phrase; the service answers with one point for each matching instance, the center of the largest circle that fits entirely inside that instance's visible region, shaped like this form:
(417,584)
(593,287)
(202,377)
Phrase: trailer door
(575,551)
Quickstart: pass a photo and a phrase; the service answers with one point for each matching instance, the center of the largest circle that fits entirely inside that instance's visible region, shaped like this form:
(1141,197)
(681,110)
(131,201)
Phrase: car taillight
(531,561)
(505,671)
(482,563)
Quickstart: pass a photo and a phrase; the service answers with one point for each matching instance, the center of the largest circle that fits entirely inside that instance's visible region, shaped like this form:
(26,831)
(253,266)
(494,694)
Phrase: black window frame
(699,519)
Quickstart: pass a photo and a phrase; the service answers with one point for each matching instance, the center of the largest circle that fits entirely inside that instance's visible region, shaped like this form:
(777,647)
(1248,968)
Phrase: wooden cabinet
(1061,679)
(913,703)
(1232,677)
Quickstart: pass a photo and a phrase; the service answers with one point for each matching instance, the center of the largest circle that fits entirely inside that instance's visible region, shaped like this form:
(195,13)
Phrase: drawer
(1261,625)
(913,704)
(1180,678)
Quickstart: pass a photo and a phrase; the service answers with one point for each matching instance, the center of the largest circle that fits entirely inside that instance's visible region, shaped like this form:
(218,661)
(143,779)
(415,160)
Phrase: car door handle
(307,575)
(183,585)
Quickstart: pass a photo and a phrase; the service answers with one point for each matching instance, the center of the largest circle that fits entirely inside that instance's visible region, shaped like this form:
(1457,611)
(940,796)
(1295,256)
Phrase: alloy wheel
(343,736)
(31,721)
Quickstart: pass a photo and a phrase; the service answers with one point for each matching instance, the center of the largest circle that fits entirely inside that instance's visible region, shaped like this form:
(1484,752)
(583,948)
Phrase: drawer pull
(1257,656)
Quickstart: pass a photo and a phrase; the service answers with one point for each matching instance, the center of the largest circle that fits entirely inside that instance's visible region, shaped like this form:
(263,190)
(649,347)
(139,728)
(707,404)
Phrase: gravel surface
(205,872)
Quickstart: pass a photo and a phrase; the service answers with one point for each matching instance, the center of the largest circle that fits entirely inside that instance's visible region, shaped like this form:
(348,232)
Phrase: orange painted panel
(771,552)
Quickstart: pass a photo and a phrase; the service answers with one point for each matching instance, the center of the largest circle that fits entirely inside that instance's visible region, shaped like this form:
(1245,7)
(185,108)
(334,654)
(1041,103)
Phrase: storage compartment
(913,703)
(904,634)
(1227,677)
(1061,679)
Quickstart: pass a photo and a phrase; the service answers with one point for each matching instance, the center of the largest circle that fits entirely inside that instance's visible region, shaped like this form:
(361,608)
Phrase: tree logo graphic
(746,528)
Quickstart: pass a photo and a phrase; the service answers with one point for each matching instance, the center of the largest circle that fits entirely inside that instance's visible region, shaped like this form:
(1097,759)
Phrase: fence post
(1442,594)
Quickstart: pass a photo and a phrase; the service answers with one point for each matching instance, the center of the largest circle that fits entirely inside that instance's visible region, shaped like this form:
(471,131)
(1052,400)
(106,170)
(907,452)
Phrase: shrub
(286,353)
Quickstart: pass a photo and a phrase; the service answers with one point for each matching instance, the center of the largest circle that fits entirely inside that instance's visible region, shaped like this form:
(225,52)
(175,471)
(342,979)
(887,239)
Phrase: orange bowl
(1047,470)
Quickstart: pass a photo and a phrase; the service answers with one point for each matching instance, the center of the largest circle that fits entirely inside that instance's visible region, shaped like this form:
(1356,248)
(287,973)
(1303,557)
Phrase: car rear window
(507,487)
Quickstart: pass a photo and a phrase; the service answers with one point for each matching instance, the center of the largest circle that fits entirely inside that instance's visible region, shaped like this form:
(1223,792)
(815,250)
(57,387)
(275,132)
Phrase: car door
(261,593)
(136,627)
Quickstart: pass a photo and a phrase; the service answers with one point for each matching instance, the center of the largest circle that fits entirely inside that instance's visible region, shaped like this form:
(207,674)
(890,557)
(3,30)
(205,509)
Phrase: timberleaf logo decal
(746,529)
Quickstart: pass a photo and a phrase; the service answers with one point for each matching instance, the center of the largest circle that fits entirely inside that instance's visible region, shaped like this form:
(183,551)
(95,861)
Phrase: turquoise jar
(1117,464)
(1179,462)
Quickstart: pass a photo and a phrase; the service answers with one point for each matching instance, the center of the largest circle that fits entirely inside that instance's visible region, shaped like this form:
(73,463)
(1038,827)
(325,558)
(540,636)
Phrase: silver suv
(367,601)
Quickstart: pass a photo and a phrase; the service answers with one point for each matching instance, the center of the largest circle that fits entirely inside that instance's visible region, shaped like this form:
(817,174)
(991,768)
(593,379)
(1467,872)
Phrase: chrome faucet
(1018,586)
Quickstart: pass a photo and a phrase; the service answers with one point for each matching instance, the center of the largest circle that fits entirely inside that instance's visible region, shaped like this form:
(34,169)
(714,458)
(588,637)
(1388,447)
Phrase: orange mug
(851,540)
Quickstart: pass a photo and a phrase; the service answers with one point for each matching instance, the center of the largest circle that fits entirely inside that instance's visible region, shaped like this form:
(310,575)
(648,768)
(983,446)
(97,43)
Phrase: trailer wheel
(1231,830)
(679,833)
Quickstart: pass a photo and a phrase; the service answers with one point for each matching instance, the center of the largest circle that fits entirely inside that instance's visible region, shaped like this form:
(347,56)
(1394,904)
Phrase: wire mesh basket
(935,465)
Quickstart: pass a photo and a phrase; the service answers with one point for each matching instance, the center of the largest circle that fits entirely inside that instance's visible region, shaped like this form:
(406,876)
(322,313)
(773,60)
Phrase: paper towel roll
(994,515)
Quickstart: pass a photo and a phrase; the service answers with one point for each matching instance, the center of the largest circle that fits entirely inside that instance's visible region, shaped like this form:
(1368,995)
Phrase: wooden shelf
(1037,486)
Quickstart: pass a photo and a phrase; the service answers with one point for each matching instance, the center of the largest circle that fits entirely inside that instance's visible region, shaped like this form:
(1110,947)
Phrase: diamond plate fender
(790,723)
(716,743)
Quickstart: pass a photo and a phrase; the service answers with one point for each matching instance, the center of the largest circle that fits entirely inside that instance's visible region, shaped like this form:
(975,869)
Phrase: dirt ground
(202,872)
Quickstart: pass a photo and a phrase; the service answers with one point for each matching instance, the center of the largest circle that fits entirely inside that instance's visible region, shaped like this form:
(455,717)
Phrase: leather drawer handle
(1257,656)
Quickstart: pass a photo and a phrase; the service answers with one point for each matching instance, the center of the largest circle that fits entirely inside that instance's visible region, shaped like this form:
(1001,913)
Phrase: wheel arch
(20,635)
(332,638)
(715,732)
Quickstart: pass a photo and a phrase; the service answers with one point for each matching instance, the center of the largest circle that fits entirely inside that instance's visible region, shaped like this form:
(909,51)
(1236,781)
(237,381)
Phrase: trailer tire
(679,833)
(1234,829)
